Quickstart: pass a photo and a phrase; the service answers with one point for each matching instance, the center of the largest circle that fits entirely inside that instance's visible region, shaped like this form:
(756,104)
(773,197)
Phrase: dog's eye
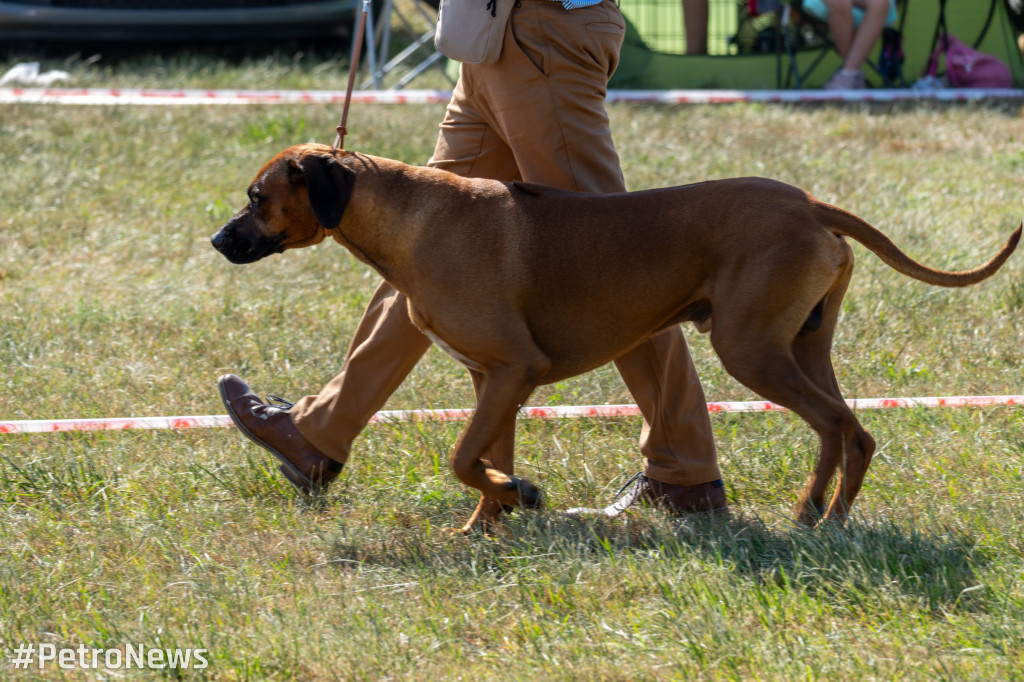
(254,199)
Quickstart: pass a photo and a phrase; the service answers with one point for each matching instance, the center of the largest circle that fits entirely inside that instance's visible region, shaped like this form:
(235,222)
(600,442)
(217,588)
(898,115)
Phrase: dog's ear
(329,185)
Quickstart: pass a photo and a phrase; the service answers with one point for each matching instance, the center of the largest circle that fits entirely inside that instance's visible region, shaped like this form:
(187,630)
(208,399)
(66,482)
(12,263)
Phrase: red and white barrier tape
(192,97)
(151,96)
(558,412)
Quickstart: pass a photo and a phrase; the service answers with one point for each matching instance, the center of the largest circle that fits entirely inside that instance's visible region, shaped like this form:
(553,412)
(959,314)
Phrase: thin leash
(340,139)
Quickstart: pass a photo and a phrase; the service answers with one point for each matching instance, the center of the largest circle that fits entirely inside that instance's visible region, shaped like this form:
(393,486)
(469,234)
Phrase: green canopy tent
(653,52)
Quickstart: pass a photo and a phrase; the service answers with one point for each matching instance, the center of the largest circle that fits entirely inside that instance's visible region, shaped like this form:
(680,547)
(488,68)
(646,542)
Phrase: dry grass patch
(112,303)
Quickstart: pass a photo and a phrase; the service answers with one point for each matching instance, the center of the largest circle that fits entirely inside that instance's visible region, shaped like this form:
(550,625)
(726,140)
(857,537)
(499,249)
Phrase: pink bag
(968,68)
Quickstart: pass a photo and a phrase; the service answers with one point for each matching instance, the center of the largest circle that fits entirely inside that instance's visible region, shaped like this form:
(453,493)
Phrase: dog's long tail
(845,223)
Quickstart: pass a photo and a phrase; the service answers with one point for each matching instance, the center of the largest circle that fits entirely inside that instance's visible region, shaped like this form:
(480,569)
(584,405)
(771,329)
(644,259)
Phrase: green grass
(112,303)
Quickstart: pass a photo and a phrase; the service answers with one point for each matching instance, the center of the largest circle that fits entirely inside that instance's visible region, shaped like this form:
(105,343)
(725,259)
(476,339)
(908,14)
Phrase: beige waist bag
(472,31)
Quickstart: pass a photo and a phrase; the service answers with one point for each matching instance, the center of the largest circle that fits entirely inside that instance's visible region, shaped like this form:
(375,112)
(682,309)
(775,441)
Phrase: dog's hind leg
(813,351)
(759,359)
(845,448)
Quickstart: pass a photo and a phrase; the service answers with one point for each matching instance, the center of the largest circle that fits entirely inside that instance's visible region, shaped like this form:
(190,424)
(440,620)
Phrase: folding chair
(811,16)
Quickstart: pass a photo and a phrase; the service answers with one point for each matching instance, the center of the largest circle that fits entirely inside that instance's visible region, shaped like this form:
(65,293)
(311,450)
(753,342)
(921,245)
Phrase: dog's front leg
(500,456)
(491,432)
(483,518)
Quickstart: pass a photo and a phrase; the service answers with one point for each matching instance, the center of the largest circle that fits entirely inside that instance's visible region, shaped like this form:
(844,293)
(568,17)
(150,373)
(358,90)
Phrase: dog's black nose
(218,240)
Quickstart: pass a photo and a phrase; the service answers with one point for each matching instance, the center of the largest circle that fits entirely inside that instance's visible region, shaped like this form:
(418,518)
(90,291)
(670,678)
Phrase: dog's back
(594,275)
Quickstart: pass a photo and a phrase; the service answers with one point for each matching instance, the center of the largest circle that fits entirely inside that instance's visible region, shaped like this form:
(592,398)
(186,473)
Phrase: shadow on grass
(933,566)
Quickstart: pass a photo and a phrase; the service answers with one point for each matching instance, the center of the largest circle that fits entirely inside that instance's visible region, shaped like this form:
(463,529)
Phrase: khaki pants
(535,115)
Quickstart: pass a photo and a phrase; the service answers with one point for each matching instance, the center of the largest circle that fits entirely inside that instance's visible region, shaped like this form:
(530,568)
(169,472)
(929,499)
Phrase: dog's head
(296,198)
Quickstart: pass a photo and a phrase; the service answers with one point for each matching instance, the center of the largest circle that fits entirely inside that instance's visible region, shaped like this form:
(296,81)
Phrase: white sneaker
(846,80)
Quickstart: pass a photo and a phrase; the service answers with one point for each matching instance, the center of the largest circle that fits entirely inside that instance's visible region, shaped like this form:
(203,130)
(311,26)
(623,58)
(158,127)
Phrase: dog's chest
(451,351)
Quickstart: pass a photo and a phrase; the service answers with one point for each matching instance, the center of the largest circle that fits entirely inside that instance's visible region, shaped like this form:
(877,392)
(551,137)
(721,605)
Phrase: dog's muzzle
(240,249)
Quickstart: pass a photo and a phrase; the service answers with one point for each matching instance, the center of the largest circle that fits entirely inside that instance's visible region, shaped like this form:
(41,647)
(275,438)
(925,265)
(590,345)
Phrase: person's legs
(677,440)
(562,138)
(840,25)
(544,99)
(867,34)
(854,42)
(467,144)
(695,23)
(385,348)
(387,345)
(537,115)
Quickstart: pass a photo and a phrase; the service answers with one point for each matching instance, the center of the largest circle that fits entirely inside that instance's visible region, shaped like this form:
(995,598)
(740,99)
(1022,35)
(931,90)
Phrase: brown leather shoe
(678,499)
(706,497)
(271,428)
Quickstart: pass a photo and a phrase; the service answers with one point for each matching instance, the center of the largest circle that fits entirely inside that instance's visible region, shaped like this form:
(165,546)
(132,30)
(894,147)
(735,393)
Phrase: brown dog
(527,285)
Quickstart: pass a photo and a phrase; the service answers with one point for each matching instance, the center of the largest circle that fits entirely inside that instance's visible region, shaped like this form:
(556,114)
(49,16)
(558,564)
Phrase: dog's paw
(529,495)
